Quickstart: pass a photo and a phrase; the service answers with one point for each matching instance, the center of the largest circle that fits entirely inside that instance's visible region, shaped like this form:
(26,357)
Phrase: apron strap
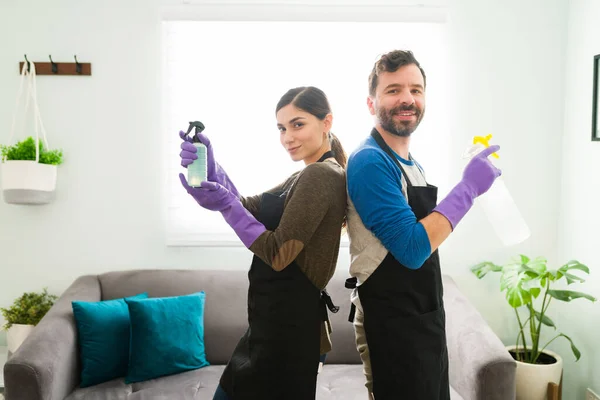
(327,303)
(327,299)
(381,143)
(351,284)
(352,313)
(328,154)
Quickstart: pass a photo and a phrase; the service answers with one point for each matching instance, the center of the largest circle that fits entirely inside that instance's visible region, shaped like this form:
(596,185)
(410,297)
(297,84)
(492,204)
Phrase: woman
(294,232)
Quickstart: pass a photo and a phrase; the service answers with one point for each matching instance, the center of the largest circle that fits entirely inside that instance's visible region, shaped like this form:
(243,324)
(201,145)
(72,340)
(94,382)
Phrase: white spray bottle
(197,171)
(497,203)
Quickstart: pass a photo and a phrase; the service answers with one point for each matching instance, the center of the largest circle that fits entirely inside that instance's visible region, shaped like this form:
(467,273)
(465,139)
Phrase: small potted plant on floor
(29,172)
(25,313)
(529,288)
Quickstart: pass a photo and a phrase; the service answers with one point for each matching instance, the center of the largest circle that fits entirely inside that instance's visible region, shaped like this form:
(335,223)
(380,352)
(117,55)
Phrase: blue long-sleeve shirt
(375,187)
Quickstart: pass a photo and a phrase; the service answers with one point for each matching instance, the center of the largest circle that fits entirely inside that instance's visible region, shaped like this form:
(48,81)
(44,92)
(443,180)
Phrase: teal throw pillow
(103,332)
(167,336)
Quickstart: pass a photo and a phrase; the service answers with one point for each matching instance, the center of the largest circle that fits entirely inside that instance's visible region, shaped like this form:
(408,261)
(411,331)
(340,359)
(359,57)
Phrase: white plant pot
(532,379)
(28,182)
(16,335)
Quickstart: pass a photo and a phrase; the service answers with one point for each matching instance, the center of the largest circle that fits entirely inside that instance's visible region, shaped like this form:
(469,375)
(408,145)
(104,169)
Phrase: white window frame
(429,11)
(306,10)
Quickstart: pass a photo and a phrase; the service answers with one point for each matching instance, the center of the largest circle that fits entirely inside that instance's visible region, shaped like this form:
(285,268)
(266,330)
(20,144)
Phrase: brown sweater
(310,228)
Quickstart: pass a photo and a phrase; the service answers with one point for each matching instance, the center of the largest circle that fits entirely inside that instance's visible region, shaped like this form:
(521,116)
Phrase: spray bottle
(198,169)
(497,203)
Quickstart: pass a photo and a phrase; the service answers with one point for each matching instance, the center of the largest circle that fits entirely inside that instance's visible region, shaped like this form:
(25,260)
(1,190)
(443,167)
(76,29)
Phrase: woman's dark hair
(314,101)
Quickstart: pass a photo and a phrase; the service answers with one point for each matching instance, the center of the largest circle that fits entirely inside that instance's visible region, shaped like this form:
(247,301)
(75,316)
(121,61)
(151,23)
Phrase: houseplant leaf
(575,265)
(480,270)
(573,278)
(513,277)
(538,265)
(524,279)
(574,349)
(544,319)
(25,150)
(530,272)
(28,309)
(568,295)
(533,286)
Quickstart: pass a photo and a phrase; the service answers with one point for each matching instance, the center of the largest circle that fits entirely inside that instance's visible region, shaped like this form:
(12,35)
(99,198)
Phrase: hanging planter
(25,180)
(29,170)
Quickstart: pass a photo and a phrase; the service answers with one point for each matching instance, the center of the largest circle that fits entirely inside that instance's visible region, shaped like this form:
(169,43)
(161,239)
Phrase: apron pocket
(417,345)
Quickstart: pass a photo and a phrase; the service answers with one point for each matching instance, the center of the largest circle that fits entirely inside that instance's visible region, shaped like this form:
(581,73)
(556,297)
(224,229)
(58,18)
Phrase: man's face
(399,101)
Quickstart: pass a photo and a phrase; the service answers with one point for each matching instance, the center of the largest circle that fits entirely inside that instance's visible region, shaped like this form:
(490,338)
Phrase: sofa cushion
(226,311)
(347,382)
(335,382)
(103,332)
(199,384)
(167,336)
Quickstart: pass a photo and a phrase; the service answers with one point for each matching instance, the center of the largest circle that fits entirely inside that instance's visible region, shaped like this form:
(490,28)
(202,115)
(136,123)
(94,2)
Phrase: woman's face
(303,135)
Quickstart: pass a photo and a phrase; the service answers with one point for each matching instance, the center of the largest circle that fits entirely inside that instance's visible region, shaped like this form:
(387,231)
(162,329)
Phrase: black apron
(404,318)
(278,356)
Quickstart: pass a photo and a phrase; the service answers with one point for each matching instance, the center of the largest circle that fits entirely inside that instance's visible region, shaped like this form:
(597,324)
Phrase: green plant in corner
(25,150)
(28,309)
(525,280)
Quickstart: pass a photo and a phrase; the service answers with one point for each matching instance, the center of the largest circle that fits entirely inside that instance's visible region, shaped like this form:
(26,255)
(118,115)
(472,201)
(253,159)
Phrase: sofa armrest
(46,365)
(480,366)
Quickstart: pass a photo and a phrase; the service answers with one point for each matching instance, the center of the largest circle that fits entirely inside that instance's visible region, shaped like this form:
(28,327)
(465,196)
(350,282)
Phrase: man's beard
(399,128)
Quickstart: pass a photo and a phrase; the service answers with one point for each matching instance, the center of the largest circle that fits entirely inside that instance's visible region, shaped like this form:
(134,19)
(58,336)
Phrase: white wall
(507,63)
(507,74)
(109,211)
(579,193)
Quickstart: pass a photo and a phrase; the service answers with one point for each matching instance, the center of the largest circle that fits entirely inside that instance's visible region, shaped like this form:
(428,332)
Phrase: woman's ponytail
(338,150)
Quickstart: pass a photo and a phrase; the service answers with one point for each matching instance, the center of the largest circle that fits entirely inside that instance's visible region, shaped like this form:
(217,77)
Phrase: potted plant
(25,313)
(529,288)
(29,172)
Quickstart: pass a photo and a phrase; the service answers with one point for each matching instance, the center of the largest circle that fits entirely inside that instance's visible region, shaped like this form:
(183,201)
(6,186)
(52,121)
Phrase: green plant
(28,309)
(525,280)
(25,150)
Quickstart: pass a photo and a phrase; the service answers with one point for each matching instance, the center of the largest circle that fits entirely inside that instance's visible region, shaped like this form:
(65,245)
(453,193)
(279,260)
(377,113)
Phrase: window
(231,74)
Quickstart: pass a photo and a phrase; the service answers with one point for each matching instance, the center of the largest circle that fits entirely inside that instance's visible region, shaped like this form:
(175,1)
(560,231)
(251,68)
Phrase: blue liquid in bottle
(197,170)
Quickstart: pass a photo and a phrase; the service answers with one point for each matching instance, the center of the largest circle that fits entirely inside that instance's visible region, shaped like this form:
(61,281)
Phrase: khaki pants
(363,349)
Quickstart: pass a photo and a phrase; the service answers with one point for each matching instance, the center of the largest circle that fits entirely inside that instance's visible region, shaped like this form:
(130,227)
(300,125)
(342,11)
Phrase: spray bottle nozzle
(485,142)
(199,127)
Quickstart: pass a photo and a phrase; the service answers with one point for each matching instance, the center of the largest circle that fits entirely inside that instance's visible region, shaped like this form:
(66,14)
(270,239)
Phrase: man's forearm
(438,229)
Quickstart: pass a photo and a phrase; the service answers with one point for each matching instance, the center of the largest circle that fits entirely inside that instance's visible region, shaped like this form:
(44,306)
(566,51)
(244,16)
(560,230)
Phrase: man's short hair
(391,62)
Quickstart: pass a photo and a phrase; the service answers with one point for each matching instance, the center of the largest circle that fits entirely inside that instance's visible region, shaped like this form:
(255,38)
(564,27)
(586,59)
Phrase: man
(395,228)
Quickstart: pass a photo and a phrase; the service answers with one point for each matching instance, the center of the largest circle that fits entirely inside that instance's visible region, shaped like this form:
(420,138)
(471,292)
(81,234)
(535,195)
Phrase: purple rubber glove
(478,177)
(214,172)
(215,197)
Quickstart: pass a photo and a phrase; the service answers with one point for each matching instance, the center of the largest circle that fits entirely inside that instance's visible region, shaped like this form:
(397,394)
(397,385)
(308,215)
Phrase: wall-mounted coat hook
(54,65)
(28,65)
(58,68)
(77,65)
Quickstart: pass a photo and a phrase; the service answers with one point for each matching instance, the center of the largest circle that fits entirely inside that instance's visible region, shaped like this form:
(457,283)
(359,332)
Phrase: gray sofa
(46,366)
